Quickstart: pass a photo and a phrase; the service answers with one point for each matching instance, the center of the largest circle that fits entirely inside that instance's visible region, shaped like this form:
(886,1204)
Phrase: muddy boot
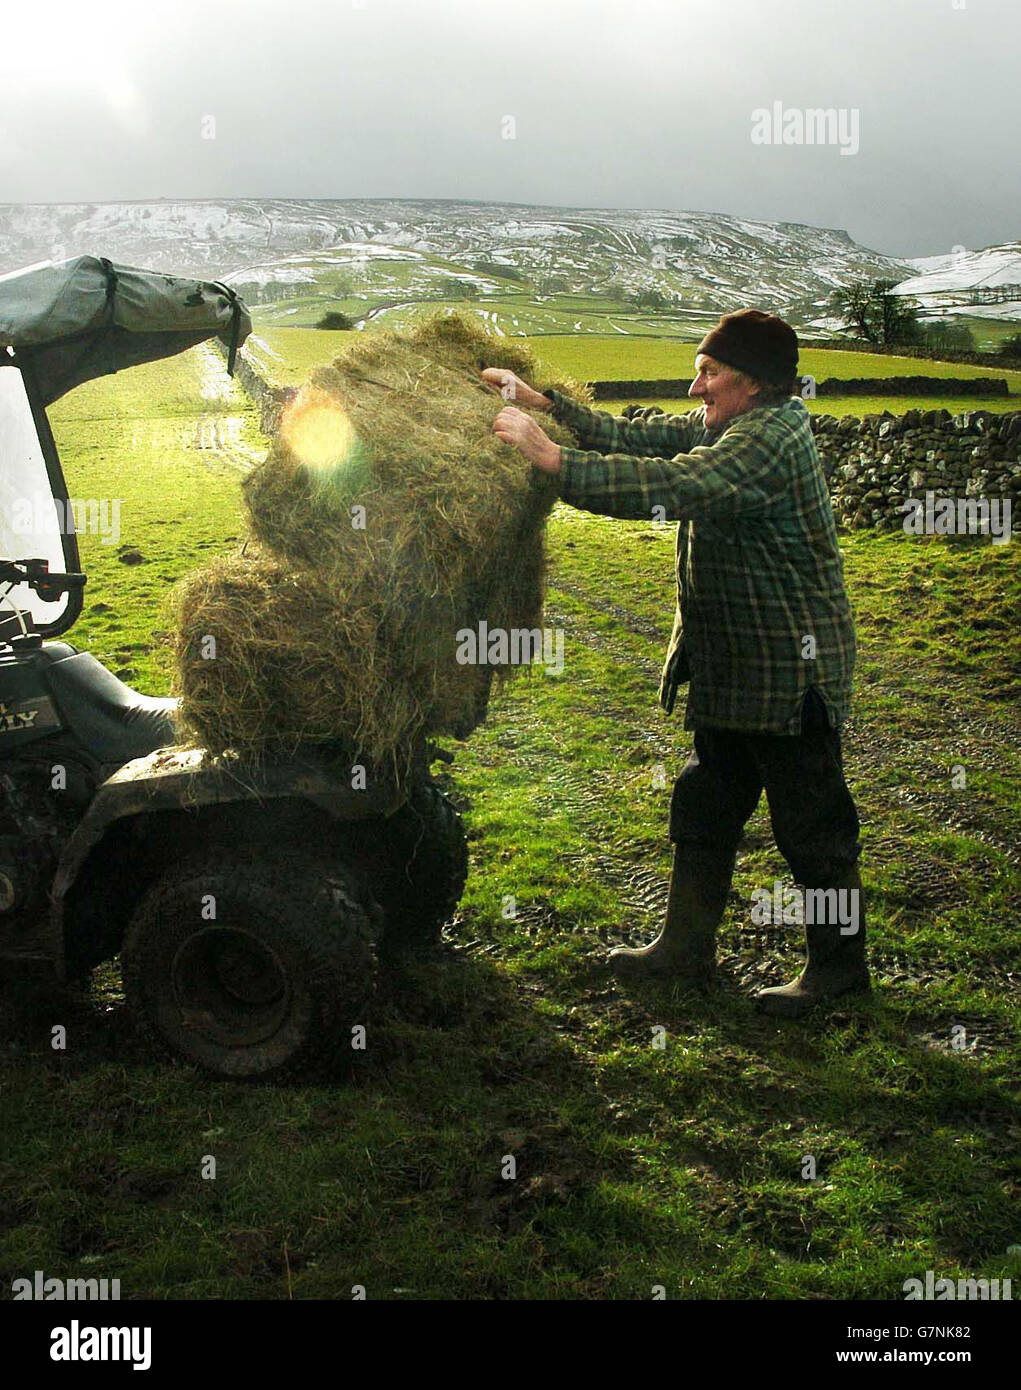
(686,947)
(835,966)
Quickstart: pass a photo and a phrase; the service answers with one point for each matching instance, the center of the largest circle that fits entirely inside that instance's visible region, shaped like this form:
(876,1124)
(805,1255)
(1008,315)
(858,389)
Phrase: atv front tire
(250,967)
(417,864)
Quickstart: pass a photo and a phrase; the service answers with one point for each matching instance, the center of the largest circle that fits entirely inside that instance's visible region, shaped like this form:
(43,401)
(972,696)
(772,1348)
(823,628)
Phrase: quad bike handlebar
(37,575)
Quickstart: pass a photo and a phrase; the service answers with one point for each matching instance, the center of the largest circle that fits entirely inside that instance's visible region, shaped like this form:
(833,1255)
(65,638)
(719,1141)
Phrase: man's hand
(513,426)
(513,389)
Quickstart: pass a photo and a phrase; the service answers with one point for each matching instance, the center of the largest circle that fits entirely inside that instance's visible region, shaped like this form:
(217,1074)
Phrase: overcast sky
(640,103)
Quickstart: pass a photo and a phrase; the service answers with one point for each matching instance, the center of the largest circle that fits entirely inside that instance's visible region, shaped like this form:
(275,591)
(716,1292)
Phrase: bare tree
(871,311)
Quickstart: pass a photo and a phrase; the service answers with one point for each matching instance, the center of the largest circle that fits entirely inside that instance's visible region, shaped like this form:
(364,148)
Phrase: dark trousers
(812,813)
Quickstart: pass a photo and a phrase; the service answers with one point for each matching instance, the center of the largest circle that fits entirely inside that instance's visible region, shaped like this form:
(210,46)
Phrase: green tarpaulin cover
(86,317)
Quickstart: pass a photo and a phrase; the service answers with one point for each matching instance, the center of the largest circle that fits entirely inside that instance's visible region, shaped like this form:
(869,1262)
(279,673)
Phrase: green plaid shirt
(762,612)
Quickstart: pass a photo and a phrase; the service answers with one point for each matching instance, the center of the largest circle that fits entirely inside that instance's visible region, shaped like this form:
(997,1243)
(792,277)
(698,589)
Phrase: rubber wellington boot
(686,947)
(835,965)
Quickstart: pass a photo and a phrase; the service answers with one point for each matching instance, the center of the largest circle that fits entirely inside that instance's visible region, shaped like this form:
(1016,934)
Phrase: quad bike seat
(110,720)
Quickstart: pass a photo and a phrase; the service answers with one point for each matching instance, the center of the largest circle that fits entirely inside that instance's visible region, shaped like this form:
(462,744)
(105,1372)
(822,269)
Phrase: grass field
(392,291)
(171,440)
(637,1165)
(988,333)
(287,355)
(612,359)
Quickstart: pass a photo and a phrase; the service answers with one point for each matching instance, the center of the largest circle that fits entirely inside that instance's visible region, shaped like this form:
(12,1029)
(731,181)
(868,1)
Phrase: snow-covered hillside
(712,261)
(995,267)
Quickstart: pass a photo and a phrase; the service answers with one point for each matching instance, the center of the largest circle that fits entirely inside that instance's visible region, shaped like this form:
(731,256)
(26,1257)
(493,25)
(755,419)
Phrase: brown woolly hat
(754,342)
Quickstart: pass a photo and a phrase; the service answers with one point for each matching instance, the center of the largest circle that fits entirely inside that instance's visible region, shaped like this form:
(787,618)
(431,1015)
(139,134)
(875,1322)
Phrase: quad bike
(247,905)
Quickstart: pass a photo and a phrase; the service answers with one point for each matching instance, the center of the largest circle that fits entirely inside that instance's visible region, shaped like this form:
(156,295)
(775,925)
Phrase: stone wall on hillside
(1002,359)
(269,397)
(873,464)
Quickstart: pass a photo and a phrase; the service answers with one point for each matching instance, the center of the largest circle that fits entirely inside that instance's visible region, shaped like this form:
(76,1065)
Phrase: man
(763,633)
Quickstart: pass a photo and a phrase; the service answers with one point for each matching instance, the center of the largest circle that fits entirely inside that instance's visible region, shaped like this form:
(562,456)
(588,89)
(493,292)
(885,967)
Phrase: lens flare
(318,431)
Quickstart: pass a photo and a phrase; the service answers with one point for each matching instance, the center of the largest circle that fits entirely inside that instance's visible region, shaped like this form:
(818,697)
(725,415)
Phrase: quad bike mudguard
(176,779)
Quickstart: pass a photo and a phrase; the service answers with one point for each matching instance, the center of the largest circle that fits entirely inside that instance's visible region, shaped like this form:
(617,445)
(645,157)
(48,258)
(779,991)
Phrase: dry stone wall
(875,463)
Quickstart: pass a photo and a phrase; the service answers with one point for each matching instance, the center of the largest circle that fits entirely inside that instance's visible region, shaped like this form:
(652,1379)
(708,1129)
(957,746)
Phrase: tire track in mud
(641,627)
(759,955)
(584,796)
(641,891)
(600,642)
(955,738)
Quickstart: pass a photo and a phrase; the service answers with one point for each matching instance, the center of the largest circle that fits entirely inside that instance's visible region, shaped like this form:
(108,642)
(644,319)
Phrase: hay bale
(398,422)
(389,517)
(466,345)
(287,663)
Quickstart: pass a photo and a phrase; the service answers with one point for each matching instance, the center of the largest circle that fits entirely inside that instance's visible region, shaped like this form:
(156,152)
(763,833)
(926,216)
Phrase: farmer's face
(725,392)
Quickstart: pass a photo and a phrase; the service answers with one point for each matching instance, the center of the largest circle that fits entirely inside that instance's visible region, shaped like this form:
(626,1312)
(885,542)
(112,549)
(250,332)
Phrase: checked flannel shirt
(762,611)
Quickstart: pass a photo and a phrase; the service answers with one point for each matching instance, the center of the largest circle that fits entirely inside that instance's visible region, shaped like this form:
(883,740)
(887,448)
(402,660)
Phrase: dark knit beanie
(760,344)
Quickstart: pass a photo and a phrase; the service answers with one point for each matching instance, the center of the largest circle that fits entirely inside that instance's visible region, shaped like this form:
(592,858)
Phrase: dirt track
(752,955)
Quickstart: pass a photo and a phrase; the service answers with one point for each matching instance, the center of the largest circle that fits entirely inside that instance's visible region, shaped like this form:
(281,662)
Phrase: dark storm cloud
(643,104)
